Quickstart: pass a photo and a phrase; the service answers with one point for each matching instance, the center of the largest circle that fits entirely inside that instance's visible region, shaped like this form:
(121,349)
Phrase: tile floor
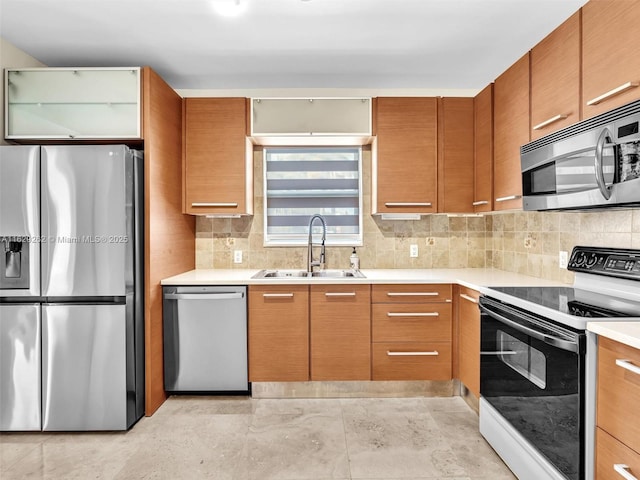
(257,439)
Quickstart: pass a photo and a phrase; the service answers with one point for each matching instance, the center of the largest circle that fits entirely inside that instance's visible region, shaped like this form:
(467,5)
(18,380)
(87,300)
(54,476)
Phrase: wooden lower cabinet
(340,332)
(411,361)
(613,456)
(618,402)
(411,332)
(279,333)
(469,339)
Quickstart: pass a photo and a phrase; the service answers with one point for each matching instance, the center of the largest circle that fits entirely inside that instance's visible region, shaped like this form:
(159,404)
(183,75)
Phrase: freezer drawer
(20,367)
(205,339)
(84,367)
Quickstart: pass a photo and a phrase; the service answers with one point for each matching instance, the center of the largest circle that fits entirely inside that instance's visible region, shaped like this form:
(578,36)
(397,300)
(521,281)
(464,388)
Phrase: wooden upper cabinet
(483,150)
(555,79)
(455,155)
(511,131)
(217,157)
(405,155)
(610,60)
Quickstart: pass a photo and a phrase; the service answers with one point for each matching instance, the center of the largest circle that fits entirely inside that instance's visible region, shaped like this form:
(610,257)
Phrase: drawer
(417,322)
(403,361)
(619,391)
(419,293)
(612,455)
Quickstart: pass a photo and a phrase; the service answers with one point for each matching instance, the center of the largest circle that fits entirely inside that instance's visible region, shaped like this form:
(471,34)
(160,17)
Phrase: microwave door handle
(548,339)
(557,158)
(599,164)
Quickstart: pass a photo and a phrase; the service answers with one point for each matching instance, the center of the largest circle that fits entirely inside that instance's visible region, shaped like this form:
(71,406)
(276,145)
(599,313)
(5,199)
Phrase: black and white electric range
(538,366)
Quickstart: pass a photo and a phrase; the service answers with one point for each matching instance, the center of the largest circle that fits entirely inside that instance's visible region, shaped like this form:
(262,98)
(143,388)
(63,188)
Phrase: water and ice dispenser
(14,263)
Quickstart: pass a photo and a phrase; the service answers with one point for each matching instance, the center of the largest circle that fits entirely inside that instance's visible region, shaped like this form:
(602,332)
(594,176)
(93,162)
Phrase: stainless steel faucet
(321,262)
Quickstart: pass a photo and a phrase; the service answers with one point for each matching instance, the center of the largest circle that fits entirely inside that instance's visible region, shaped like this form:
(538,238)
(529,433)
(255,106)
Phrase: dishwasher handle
(203,296)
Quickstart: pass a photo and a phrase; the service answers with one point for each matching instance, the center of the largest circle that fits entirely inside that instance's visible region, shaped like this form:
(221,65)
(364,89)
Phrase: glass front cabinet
(72,103)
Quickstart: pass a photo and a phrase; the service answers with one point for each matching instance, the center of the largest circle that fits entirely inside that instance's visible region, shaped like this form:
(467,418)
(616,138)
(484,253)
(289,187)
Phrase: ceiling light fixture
(229,8)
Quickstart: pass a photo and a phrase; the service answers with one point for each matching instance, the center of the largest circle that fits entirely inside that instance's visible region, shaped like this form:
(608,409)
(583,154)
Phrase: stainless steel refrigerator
(71,296)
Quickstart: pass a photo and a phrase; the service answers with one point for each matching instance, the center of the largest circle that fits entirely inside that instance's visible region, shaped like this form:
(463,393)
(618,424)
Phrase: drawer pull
(467,297)
(412,354)
(340,294)
(405,204)
(277,295)
(417,314)
(412,294)
(510,197)
(205,204)
(550,121)
(622,88)
(627,365)
(480,202)
(622,470)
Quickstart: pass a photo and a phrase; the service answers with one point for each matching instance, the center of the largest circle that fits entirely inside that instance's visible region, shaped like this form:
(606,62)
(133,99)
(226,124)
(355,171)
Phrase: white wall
(12,57)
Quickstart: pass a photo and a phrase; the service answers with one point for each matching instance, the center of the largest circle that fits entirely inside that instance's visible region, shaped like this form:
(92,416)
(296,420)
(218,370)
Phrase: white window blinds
(300,182)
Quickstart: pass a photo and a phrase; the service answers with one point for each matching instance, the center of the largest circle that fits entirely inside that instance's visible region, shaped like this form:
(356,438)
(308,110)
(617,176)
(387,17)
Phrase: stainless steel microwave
(591,164)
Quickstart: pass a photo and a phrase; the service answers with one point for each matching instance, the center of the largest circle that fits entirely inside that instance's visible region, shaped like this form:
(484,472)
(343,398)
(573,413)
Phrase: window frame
(335,240)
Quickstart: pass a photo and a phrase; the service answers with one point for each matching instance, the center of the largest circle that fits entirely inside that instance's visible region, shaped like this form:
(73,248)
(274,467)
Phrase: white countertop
(623,332)
(475,278)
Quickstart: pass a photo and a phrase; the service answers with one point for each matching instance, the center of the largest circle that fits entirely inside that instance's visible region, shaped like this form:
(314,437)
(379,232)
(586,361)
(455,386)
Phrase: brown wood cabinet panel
(555,79)
(387,366)
(216,157)
(511,131)
(279,333)
(416,322)
(455,155)
(618,392)
(610,452)
(469,339)
(483,150)
(610,38)
(410,293)
(168,234)
(340,332)
(405,155)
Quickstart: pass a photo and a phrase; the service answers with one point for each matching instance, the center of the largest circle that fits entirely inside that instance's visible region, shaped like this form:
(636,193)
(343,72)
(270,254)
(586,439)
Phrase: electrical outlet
(413,250)
(237,256)
(563,259)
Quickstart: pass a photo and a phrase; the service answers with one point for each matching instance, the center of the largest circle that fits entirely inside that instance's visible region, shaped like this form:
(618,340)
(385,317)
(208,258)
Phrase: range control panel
(613,262)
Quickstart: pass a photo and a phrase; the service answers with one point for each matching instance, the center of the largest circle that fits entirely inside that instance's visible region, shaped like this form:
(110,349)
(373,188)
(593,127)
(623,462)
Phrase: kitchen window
(303,181)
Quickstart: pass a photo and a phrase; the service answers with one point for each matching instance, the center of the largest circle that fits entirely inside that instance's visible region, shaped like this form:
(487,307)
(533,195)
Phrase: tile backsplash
(523,242)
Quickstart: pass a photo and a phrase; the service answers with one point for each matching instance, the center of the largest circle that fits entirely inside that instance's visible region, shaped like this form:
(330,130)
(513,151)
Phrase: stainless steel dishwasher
(205,339)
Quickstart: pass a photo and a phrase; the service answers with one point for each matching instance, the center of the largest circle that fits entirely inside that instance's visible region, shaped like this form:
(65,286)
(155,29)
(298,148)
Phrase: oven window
(523,358)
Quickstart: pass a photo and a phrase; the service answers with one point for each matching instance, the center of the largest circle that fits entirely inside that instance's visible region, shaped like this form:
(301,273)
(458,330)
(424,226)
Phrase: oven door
(532,374)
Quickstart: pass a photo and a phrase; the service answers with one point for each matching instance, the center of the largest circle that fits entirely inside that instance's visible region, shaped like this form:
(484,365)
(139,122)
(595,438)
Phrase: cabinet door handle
(277,295)
(206,204)
(467,297)
(412,294)
(550,121)
(611,93)
(622,470)
(416,314)
(340,294)
(480,202)
(627,365)
(412,354)
(407,204)
(510,197)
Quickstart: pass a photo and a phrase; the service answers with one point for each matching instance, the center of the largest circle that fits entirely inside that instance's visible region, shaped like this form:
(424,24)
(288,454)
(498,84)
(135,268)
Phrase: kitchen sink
(304,274)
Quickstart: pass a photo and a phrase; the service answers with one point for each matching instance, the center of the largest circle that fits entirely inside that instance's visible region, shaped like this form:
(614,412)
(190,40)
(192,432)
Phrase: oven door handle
(548,339)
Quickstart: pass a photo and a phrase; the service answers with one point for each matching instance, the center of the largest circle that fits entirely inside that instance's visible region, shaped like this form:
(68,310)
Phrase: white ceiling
(375,44)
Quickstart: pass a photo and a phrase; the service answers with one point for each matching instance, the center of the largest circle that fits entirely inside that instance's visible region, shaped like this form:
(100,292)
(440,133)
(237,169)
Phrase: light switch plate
(237,256)
(413,251)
